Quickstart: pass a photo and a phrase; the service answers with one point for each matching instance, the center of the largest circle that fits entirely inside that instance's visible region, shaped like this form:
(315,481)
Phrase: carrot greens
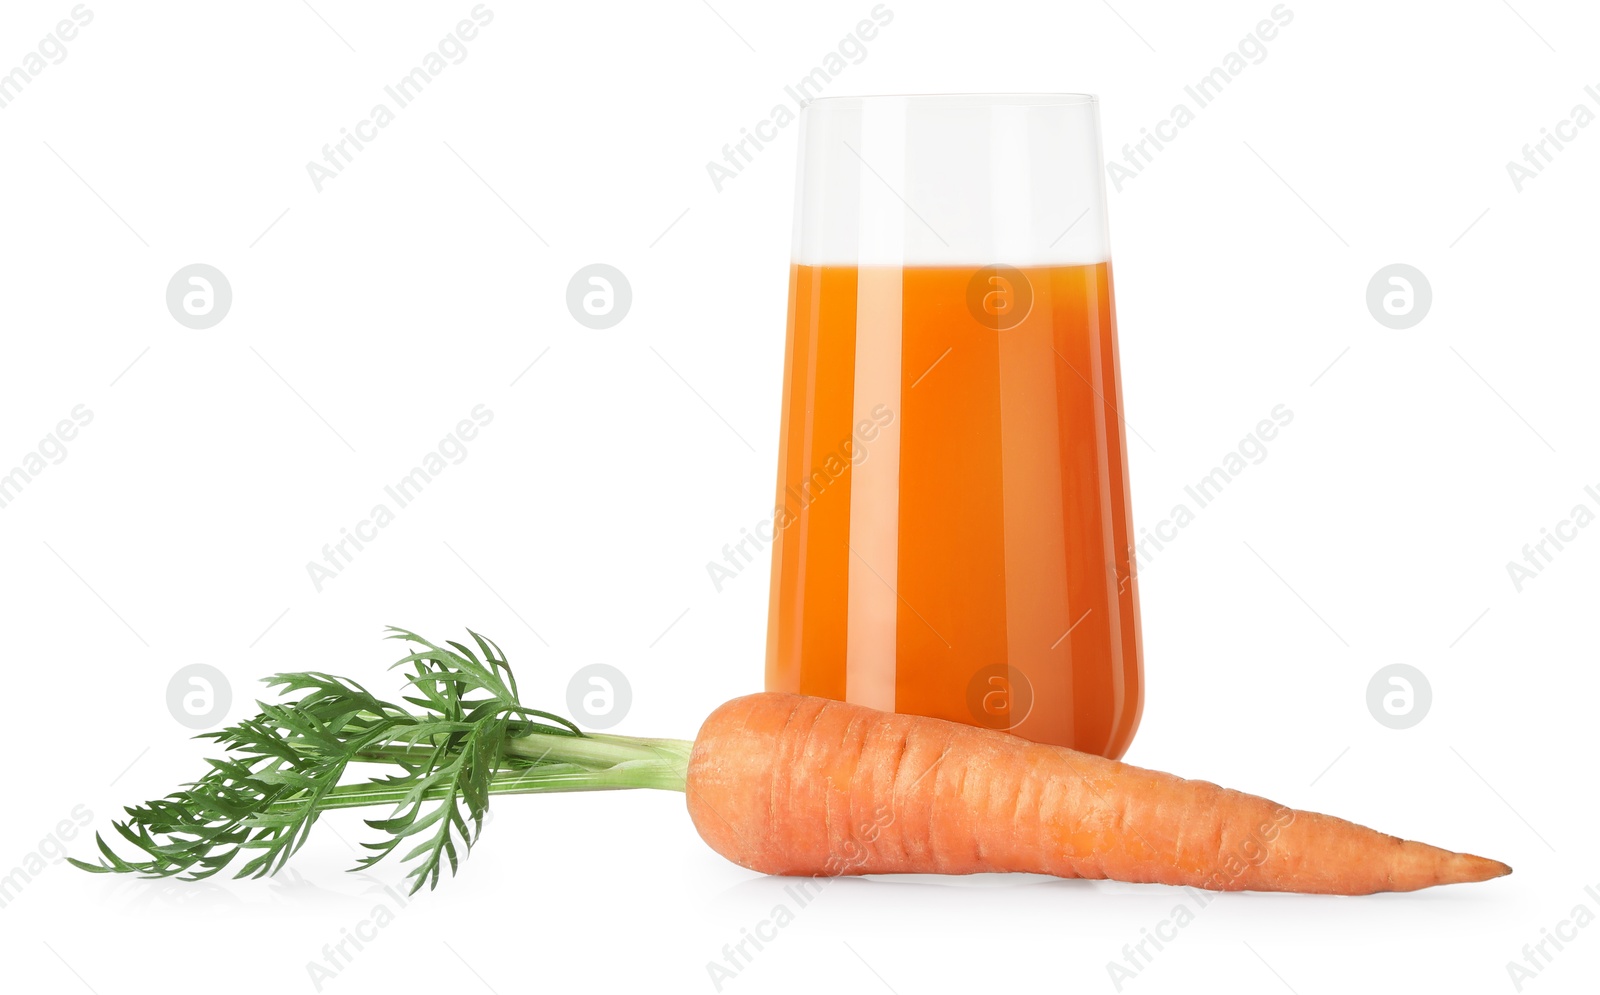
(466,738)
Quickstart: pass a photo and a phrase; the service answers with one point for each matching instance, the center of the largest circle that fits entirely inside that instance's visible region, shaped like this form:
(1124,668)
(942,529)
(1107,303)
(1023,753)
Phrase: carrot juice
(953,519)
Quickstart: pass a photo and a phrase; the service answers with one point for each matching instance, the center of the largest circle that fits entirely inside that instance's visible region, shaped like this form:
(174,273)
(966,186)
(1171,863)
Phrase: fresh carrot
(779,783)
(787,784)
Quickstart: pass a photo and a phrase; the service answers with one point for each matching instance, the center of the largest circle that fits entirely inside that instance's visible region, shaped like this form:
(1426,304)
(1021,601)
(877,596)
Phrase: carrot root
(788,784)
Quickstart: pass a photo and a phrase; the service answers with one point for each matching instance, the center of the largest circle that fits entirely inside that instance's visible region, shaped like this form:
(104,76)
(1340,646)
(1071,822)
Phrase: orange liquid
(953,531)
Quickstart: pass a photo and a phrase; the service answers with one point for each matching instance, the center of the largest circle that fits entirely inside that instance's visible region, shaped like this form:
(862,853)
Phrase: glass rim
(963,99)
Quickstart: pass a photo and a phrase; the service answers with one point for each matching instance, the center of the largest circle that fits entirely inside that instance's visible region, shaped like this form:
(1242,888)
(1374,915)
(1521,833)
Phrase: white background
(371,317)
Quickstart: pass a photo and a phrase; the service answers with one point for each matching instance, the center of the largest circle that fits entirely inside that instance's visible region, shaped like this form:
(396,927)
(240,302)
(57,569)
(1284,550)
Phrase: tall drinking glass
(952,528)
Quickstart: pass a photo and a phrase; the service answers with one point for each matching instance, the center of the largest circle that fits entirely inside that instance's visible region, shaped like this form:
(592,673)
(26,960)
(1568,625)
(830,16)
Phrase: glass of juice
(952,519)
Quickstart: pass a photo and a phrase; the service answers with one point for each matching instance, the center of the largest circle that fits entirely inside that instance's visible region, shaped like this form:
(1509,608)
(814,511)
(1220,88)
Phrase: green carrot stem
(565,763)
(597,751)
(663,775)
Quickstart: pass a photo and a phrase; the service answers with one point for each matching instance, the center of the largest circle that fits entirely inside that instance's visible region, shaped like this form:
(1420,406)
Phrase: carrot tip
(1468,868)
